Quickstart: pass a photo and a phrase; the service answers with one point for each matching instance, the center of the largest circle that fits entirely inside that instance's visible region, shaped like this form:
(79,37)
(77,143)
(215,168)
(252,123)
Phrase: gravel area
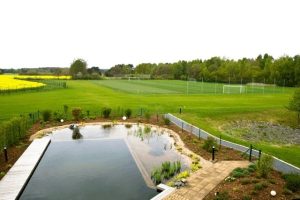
(262,131)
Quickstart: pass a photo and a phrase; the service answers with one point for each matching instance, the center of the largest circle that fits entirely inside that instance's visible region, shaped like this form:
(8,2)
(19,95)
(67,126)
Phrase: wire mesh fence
(278,164)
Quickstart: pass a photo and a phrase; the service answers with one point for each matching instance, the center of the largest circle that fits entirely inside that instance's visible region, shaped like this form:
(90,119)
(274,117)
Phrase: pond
(108,162)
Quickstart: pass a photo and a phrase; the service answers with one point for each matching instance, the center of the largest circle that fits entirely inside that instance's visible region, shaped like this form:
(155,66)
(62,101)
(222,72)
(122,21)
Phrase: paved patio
(205,179)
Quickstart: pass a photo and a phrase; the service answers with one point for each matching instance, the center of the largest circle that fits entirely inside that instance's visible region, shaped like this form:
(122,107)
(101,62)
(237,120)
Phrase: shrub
(246,197)
(147,116)
(239,172)
(66,108)
(292,182)
(209,143)
(57,116)
(264,165)
(222,196)
(260,186)
(76,112)
(245,181)
(128,113)
(252,168)
(128,126)
(182,175)
(167,121)
(46,115)
(106,112)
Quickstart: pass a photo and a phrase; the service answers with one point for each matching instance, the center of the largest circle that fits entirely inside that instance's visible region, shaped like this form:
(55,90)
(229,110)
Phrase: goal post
(234,89)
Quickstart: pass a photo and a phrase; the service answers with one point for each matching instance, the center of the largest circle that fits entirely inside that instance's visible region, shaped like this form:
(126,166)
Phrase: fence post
(220,142)
(156,117)
(182,127)
(250,154)
(180,110)
(213,153)
(5,154)
(199,133)
(259,154)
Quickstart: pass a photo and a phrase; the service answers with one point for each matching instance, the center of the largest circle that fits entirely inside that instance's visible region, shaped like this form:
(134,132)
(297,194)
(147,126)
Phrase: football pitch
(188,87)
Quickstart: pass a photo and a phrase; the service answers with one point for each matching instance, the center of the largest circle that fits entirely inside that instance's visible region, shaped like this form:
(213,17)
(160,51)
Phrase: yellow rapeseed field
(8,82)
(46,77)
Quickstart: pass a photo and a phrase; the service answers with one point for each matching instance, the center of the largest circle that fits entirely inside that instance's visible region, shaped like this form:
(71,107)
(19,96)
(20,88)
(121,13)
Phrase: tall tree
(78,68)
(294,104)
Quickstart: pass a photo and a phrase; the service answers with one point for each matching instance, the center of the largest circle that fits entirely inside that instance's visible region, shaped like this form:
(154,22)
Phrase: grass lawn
(205,110)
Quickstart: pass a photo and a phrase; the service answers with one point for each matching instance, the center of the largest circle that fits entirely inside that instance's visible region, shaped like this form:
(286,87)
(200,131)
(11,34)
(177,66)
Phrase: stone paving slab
(205,180)
(15,179)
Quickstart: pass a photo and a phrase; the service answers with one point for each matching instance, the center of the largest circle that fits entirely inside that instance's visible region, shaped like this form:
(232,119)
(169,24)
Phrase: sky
(52,33)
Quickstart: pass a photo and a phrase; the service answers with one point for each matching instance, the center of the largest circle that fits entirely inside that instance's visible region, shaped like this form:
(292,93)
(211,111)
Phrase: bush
(57,116)
(246,197)
(46,114)
(66,108)
(239,172)
(106,112)
(222,196)
(252,168)
(76,112)
(167,121)
(147,116)
(245,181)
(258,186)
(209,143)
(128,113)
(264,165)
(292,182)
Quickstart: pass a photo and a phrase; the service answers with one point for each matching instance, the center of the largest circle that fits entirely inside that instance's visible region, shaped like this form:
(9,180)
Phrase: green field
(208,111)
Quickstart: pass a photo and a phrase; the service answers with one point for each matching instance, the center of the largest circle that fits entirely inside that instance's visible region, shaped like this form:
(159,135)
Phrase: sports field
(207,110)
(187,87)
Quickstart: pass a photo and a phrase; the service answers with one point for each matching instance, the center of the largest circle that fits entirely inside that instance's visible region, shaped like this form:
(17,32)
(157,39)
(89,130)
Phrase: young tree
(294,104)
(78,67)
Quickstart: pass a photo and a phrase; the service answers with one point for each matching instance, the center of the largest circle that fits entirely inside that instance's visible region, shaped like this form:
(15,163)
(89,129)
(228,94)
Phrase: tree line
(284,71)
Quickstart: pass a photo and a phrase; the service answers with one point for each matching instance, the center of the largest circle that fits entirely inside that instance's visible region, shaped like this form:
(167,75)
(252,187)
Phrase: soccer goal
(234,89)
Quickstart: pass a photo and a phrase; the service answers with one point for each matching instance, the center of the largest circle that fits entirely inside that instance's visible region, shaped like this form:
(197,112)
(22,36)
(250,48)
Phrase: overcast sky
(41,33)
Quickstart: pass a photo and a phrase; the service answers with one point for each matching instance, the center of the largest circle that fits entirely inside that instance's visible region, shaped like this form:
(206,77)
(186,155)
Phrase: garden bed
(251,187)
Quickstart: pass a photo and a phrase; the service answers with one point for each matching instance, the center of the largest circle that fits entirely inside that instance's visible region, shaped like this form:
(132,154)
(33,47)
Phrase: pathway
(205,179)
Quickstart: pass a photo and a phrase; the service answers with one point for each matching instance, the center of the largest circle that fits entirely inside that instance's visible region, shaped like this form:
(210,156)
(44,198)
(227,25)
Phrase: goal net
(234,89)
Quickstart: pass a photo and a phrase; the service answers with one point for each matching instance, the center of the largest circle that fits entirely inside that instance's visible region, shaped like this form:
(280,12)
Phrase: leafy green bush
(258,186)
(292,182)
(246,197)
(147,129)
(167,121)
(222,196)
(57,116)
(239,172)
(106,112)
(66,108)
(13,130)
(147,116)
(252,168)
(245,181)
(128,113)
(76,112)
(46,114)
(264,165)
(209,143)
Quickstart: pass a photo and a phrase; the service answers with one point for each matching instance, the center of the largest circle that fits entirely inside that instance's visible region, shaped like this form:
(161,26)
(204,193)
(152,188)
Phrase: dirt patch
(253,187)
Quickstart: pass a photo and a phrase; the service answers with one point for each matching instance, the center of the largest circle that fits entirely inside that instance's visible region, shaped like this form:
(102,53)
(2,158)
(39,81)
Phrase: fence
(278,164)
